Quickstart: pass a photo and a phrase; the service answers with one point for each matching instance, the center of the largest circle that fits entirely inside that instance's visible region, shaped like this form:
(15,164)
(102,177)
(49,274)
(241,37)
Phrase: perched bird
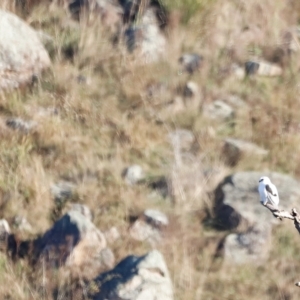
(268,191)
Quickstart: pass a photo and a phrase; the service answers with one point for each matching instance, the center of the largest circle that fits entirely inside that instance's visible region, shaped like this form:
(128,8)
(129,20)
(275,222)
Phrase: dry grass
(108,123)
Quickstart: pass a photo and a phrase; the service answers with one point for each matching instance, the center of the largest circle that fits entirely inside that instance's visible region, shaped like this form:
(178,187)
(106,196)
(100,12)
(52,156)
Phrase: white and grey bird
(268,191)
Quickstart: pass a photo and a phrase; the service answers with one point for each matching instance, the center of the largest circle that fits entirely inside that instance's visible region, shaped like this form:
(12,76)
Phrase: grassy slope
(106,125)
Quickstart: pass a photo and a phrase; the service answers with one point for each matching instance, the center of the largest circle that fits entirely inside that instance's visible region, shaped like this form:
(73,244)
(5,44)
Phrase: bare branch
(282,214)
(296,219)
(279,214)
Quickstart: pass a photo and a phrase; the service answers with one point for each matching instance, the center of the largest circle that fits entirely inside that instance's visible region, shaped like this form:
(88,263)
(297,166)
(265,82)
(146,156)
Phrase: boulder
(109,13)
(22,54)
(46,39)
(156,217)
(192,96)
(133,9)
(191,62)
(251,67)
(83,209)
(237,71)
(62,191)
(112,235)
(134,278)
(140,230)
(160,186)
(262,68)
(191,89)
(133,174)
(249,247)
(21,223)
(74,242)
(235,149)
(218,110)
(20,125)
(237,201)
(148,226)
(4,234)
(147,38)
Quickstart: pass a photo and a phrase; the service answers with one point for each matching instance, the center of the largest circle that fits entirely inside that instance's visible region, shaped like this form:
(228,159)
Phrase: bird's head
(264,180)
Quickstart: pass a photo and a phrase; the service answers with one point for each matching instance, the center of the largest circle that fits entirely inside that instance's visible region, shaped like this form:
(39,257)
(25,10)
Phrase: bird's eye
(260,180)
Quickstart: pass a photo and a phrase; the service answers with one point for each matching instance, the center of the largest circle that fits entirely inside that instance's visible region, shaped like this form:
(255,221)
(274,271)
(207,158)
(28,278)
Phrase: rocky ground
(133,135)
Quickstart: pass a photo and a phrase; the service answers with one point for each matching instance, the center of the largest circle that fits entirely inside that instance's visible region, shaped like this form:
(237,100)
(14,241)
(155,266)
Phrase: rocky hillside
(133,136)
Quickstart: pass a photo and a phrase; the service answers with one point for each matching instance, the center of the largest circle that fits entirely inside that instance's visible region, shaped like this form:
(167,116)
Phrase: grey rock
(237,71)
(191,62)
(4,234)
(235,149)
(237,202)
(22,224)
(81,79)
(160,186)
(251,67)
(156,217)
(107,258)
(75,6)
(22,54)
(133,9)
(147,38)
(107,10)
(141,230)
(112,235)
(83,209)
(218,110)
(191,89)
(262,68)
(75,242)
(181,139)
(250,247)
(21,125)
(46,39)
(62,191)
(133,174)
(149,226)
(135,278)
(192,96)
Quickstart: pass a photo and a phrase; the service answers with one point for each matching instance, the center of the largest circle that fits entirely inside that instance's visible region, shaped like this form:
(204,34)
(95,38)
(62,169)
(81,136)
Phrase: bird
(268,191)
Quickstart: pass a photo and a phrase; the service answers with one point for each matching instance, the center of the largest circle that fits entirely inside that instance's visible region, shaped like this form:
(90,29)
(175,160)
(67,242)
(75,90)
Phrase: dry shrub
(246,26)
(108,122)
(191,180)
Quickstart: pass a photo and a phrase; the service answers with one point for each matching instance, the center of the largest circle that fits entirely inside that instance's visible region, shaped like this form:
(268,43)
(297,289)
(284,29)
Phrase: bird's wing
(273,191)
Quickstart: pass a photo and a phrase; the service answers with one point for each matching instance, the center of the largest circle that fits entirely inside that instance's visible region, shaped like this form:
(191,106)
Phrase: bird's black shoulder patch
(268,188)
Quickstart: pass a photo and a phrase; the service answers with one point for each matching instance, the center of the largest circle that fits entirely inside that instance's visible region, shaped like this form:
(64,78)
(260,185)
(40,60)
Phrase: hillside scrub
(100,108)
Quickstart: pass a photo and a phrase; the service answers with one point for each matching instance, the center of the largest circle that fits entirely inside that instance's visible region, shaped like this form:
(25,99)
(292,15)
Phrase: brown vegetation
(107,121)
